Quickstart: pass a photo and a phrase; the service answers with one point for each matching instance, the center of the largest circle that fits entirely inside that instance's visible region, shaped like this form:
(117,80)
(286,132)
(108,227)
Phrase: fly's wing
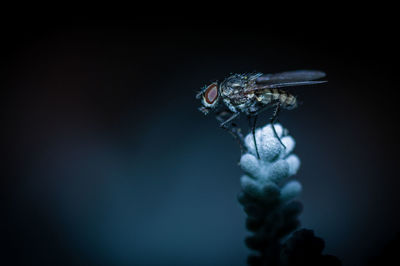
(286,79)
(298,77)
(261,88)
(287,84)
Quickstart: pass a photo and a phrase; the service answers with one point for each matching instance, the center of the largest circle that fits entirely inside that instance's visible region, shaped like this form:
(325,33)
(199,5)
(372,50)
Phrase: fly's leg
(253,130)
(254,135)
(233,116)
(273,119)
(234,130)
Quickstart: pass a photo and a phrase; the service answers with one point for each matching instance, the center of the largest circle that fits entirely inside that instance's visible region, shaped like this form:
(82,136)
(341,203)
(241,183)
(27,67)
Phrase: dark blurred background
(106,159)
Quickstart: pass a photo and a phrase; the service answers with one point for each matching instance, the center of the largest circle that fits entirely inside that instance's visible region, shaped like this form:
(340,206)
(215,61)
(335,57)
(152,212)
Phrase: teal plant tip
(276,163)
(267,196)
(267,192)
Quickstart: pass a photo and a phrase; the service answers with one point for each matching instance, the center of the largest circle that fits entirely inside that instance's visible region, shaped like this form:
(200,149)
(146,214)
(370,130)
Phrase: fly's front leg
(273,119)
(220,116)
(233,130)
(232,117)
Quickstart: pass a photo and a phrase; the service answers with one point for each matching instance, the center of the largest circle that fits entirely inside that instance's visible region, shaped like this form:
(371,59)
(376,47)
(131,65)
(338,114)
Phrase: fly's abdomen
(286,99)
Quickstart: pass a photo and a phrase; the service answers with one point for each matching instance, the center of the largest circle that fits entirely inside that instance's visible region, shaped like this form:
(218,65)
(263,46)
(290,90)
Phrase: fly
(252,94)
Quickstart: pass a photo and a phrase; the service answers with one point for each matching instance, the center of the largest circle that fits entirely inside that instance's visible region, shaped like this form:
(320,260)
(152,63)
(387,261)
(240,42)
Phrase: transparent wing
(261,87)
(299,76)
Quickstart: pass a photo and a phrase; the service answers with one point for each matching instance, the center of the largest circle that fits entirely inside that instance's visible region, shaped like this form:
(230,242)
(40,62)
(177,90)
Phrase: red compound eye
(211,93)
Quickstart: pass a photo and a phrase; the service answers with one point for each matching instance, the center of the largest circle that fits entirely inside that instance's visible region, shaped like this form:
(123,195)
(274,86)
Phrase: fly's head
(209,97)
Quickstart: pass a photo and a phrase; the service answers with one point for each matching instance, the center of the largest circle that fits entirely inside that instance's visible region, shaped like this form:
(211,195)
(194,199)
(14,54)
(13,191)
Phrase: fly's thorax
(234,84)
(227,90)
(231,91)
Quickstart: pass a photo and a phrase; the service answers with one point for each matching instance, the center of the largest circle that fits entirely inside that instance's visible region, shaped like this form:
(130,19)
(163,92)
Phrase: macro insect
(252,94)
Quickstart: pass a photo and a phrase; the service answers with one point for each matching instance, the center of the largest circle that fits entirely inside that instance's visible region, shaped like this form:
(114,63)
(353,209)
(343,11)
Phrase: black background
(108,161)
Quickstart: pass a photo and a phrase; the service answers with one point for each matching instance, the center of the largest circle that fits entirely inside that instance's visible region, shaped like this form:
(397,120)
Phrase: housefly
(252,94)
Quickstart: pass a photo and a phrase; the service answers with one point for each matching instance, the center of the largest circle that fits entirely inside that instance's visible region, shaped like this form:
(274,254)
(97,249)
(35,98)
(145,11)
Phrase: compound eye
(211,93)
